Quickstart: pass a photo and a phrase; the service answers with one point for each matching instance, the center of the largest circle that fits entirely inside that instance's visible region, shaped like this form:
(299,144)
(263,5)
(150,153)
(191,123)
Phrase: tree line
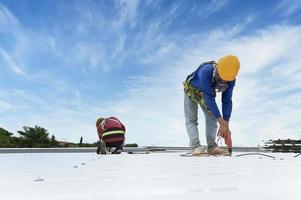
(29,137)
(39,137)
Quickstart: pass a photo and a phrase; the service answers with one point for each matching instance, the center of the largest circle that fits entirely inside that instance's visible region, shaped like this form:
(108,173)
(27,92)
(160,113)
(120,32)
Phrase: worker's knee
(193,122)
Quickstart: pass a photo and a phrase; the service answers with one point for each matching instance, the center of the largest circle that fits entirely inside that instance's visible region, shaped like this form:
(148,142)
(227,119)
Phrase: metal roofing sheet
(148,176)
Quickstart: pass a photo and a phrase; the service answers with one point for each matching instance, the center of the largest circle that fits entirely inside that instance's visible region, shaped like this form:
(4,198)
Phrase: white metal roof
(148,176)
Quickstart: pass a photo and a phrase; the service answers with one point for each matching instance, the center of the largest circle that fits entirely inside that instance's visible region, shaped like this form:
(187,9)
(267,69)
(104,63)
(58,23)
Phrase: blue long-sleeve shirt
(203,81)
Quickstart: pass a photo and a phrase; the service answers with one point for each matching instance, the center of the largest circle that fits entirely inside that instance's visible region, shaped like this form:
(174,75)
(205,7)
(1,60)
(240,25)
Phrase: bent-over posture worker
(200,89)
(111,133)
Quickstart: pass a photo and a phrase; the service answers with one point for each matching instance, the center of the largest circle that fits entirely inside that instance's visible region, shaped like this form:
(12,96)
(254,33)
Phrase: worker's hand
(223,126)
(228,139)
(223,129)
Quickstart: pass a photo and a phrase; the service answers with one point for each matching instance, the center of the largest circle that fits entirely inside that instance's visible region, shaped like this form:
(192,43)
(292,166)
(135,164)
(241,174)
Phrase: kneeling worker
(200,89)
(111,133)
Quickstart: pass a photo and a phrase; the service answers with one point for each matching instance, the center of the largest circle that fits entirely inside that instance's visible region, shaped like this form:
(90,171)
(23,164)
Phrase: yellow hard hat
(99,120)
(228,67)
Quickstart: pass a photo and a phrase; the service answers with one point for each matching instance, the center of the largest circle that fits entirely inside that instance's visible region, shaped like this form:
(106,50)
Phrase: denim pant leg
(191,121)
(211,128)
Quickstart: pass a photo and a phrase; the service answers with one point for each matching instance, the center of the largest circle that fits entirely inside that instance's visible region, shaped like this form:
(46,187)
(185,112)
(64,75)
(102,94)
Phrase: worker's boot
(198,150)
(218,151)
(117,151)
(98,149)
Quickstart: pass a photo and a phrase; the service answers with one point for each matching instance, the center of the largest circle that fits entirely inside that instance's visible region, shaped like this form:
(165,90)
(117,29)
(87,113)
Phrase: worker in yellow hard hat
(201,87)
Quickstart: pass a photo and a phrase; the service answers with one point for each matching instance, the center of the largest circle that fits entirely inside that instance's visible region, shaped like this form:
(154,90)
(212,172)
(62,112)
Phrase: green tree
(34,137)
(54,142)
(81,141)
(6,139)
(131,145)
(5,132)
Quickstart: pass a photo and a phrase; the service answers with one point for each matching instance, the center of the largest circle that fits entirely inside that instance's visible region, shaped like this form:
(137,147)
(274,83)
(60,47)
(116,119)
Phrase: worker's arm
(99,132)
(225,133)
(227,101)
(223,126)
(227,109)
(205,78)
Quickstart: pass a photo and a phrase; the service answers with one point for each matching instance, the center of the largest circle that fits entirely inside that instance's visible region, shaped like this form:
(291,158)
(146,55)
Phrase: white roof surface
(153,176)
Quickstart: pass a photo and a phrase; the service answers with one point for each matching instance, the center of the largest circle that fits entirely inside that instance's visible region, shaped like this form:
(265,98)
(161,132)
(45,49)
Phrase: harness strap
(193,93)
(196,95)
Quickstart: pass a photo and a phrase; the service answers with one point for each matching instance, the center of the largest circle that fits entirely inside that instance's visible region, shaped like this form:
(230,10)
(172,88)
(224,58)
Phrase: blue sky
(64,63)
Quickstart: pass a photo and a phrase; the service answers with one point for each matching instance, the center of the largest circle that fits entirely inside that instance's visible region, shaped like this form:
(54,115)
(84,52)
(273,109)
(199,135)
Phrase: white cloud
(119,51)
(288,7)
(7,20)
(9,24)
(216,5)
(4,106)
(127,13)
(11,63)
(210,8)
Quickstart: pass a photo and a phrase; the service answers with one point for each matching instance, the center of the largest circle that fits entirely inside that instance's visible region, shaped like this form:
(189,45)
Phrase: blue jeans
(191,123)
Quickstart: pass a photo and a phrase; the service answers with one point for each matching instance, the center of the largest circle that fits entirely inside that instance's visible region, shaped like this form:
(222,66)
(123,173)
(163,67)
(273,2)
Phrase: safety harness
(196,95)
